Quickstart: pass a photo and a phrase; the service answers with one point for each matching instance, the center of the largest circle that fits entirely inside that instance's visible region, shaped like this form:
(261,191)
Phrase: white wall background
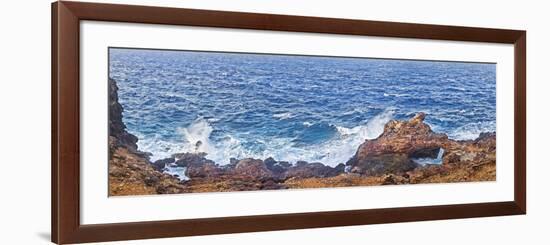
(25,121)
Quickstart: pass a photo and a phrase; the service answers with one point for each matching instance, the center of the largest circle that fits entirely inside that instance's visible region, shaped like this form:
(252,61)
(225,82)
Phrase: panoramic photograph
(204,121)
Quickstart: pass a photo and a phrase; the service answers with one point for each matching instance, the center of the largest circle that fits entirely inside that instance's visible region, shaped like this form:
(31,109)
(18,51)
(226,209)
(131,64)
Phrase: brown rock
(151,180)
(310,170)
(393,151)
(131,174)
(253,168)
(130,171)
(204,170)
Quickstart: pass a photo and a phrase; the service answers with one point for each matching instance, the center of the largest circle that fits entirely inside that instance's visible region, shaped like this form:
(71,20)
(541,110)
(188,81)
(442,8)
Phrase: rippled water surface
(291,107)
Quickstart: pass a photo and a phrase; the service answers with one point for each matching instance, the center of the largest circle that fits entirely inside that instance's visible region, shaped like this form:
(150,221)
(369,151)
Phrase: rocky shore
(130,170)
(390,159)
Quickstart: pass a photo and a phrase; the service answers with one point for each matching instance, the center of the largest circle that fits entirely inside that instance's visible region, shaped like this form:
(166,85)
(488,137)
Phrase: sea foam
(283,116)
(471,131)
(197,138)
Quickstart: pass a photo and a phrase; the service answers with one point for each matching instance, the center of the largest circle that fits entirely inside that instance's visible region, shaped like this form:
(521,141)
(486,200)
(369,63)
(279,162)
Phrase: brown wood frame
(66,227)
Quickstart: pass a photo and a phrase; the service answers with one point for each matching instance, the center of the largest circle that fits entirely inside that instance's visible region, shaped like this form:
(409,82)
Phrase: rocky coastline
(390,159)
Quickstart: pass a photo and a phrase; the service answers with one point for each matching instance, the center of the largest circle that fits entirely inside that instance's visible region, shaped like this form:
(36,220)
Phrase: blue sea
(316,109)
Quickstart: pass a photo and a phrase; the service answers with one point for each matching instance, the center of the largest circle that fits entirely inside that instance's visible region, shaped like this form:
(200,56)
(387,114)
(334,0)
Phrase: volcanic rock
(394,149)
(117,128)
(160,164)
(253,168)
(191,159)
(130,171)
(310,170)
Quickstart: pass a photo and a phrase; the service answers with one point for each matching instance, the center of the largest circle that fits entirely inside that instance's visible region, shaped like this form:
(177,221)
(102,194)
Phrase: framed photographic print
(177,122)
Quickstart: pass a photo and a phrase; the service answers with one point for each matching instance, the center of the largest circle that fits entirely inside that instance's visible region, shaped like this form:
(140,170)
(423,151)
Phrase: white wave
(371,130)
(307,124)
(195,138)
(158,147)
(471,131)
(283,116)
(349,131)
(332,152)
(376,124)
(342,148)
(197,135)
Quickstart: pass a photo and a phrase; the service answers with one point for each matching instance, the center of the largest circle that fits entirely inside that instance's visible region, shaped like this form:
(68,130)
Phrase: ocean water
(317,109)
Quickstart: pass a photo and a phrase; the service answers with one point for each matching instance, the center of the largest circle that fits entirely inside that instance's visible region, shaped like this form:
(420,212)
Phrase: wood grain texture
(66,17)
(520,124)
(54,114)
(273,22)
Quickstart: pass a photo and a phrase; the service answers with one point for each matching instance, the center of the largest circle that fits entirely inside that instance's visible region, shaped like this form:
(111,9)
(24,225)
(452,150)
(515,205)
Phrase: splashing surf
(196,137)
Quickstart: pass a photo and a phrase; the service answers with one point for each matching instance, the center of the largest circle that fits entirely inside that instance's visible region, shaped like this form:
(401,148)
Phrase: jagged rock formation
(132,174)
(393,154)
(395,149)
(117,129)
(130,171)
(313,170)
(386,160)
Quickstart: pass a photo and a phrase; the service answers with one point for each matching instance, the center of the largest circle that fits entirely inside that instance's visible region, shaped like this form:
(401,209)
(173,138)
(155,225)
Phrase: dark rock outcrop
(253,168)
(276,167)
(204,170)
(313,170)
(197,165)
(191,159)
(117,128)
(130,171)
(160,164)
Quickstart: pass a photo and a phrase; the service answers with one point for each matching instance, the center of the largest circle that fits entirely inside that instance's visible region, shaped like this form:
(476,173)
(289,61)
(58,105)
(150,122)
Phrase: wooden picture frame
(66,226)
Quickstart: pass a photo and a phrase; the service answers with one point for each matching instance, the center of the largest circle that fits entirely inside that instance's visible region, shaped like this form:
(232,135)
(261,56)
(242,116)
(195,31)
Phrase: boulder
(253,168)
(269,162)
(312,170)
(198,166)
(160,164)
(204,170)
(277,168)
(191,159)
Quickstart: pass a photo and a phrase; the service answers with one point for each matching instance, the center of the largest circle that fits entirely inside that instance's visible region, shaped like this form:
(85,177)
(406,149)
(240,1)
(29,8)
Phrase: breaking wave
(471,131)
(339,148)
